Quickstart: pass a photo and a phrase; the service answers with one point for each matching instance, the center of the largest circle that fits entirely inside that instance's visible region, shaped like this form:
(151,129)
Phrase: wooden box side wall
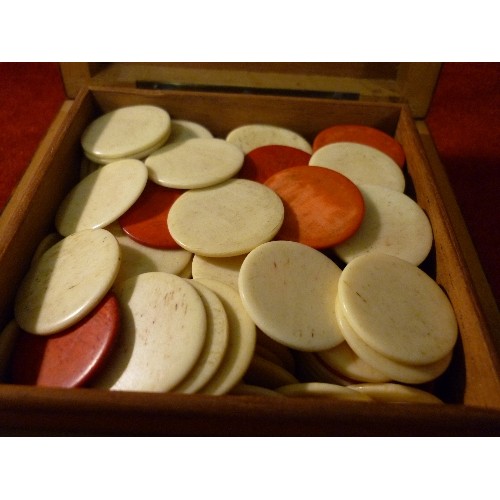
(51,176)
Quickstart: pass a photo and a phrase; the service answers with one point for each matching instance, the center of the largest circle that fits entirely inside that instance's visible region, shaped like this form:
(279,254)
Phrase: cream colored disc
(400,372)
(225,269)
(361,164)
(226,220)
(397,309)
(241,344)
(343,360)
(102,196)
(393,223)
(323,389)
(126,131)
(67,281)
(216,342)
(396,393)
(138,259)
(163,327)
(182,130)
(195,163)
(248,137)
(289,290)
(141,155)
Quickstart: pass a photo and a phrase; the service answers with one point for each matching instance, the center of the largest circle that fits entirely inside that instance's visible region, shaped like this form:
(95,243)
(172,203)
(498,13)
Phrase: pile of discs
(258,263)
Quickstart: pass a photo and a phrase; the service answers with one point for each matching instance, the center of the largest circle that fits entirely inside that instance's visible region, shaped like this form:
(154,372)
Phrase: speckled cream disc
(225,220)
(216,342)
(289,291)
(241,342)
(397,309)
(102,197)
(396,393)
(138,259)
(195,163)
(126,131)
(361,164)
(162,334)
(225,269)
(251,136)
(400,372)
(67,281)
(393,223)
(323,389)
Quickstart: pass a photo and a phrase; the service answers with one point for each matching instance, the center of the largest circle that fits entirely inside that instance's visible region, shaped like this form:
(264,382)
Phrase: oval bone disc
(289,290)
(362,164)
(195,163)
(102,197)
(248,137)
(162,335)
(401,372)
(225,220)
(397,309)
(67,281)
(393,223)
(126,131)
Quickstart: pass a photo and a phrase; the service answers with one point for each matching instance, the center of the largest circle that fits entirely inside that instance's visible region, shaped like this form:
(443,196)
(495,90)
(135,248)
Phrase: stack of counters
(225,220)
(128,132)
(396,318)
(241,343)
(65,283)
(224,269)
(255,135)
(216,342)
(102,196)
(361,164)
(322,207)
(261,163)
(138,259)
(145,220)
(289,290)
(194,163)
(361,134)
(70,358)
(393,223)
(164,324)
(344,362)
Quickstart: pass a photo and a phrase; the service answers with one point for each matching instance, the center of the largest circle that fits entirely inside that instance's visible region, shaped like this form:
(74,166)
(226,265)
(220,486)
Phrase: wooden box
(470,387)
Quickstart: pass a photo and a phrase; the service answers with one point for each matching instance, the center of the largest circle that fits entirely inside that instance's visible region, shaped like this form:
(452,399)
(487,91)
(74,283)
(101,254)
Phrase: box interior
(471,381)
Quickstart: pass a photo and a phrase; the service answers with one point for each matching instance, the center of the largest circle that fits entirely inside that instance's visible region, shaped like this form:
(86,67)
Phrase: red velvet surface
(464,120)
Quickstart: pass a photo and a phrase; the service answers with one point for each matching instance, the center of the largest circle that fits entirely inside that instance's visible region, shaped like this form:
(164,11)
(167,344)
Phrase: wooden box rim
(44,410)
